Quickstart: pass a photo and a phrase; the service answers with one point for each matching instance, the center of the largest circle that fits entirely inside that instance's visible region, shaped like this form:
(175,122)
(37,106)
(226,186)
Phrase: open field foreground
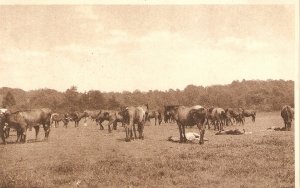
(89,157)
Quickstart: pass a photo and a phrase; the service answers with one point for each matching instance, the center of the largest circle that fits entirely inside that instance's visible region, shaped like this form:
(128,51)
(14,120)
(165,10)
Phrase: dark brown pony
(218,118)
(287,116)
(156,115)
(189,116)
(56,118)
(77,116)
(22,120)
(113,117)
(250,113)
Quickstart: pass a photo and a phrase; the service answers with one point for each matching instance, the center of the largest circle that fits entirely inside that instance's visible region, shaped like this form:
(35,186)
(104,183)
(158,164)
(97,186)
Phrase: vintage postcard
(149,93)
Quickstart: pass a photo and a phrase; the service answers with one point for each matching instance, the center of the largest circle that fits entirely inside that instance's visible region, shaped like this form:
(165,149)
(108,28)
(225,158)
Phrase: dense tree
(72,99)
(92,100)
(113,103)
(255,94)
(8,100)
(44,98)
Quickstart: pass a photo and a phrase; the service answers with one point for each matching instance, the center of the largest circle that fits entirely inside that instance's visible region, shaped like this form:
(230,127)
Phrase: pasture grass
(89,157)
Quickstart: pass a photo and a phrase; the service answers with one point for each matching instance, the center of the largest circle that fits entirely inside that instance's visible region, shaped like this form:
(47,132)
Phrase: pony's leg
(134,131)
(183,133)
(37,129)
(180,132)
(201,131)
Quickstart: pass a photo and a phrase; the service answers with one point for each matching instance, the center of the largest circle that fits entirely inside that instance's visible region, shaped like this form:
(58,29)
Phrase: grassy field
(89,157)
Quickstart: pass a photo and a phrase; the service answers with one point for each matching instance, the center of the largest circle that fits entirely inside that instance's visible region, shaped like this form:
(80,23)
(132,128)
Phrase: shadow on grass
(30,141)
(34,140)
(121,139)
(124,140)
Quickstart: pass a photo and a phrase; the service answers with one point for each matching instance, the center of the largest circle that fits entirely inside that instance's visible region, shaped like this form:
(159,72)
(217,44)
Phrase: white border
(144,2)
(297,90)
(193,2)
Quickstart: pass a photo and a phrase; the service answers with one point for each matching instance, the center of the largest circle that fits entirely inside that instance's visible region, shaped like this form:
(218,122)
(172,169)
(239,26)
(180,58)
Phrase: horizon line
(142,91)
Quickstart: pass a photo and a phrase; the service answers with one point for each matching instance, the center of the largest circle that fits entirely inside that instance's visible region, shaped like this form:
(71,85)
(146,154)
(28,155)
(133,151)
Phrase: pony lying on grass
(190,136)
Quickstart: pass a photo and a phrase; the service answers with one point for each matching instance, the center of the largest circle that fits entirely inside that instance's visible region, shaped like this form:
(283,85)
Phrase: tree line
(269,95)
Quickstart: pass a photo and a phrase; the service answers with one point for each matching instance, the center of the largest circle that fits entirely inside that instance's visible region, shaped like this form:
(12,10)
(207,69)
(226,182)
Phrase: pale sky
(116,48)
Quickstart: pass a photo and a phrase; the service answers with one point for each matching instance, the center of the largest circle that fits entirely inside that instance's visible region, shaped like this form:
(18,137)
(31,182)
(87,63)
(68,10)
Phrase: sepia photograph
(149,93)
